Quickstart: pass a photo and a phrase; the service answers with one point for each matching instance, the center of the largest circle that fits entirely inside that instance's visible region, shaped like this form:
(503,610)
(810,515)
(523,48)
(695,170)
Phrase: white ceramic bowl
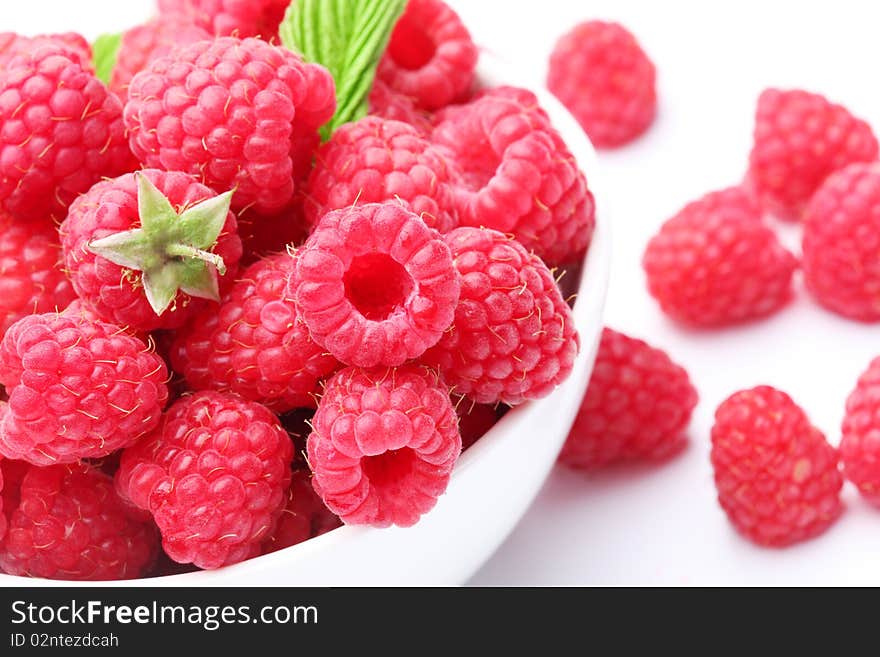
(494,481)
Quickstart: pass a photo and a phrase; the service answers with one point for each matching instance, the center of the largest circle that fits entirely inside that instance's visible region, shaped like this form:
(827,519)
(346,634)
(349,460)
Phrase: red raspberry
(518,175)
(142,44)
(77,389)
(255,344)
(601,74)
(388,104)
(383,445)
(61,130)
(859,444)
(31,279)
(431,57)
(240,114)
(716,263)
(2,515)
(800,139)
(304,516)
(242,18)
(119,292)
(777,477)
(375,285)
(513,337)
(474,420)
(69,523)
(12,44)
(841,241)
(214,475)
(375,160)
(637,406)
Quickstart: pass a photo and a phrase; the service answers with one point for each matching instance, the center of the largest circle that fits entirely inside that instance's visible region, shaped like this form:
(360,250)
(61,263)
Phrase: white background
(661,525)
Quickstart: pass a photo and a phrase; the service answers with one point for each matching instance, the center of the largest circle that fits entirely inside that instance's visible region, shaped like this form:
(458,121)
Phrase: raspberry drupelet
(255,344)
(214,475)
(777,477)
(384,443)
(716,263)
(636,408)
(375,160)
(518,176)
(431,57)
(239,114)
(78,388)
(67,522)
(513,336)
(375,285)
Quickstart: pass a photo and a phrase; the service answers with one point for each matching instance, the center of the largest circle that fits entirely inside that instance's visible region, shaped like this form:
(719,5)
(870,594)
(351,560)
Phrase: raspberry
(637,406)
(601,74)
(61,130)
(517,174)
(777,477)
(2,515)
(859,446)
(214,475)
(78,49)
(375,160)
(388,104)
(113,286)
(716,263)
(240,114)
(513,337)
(142,44)
(69,523)
(31,279)
(474,420)
(800,139)
(841,240)
(375,285)
(255,344)
(243,18)
(77,389)
(304,515)
(431,57)
(383,445)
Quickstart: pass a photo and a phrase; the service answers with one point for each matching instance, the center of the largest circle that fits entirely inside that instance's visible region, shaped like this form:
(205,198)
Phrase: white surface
(662,525)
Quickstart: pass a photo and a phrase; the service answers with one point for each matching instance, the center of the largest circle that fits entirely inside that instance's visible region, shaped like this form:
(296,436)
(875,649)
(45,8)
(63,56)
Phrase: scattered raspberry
(119,293)
(77,389)
(841,241)
(518,176)
(242,18)
(142,44)
(31,279)
(513,337)
(255,343)
(637,406)
(375,160)
(384,444)
(375,285)
(800,139)
(61,132)
(431,57)
(69,523)
(388,104)
(777,477)
(12,44)
(716,263)
(304,516)
(214,475)
(239,114)
(601,74)
(859,444)
(474,420)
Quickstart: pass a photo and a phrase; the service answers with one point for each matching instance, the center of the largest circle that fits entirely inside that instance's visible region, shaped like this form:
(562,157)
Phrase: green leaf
(348,37)
(104,52)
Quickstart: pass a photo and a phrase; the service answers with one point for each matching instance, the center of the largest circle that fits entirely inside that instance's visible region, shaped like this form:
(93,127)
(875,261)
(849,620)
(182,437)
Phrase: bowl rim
(594,277)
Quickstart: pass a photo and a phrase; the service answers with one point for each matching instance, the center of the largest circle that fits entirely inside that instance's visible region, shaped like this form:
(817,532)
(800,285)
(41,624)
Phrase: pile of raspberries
(222,337)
